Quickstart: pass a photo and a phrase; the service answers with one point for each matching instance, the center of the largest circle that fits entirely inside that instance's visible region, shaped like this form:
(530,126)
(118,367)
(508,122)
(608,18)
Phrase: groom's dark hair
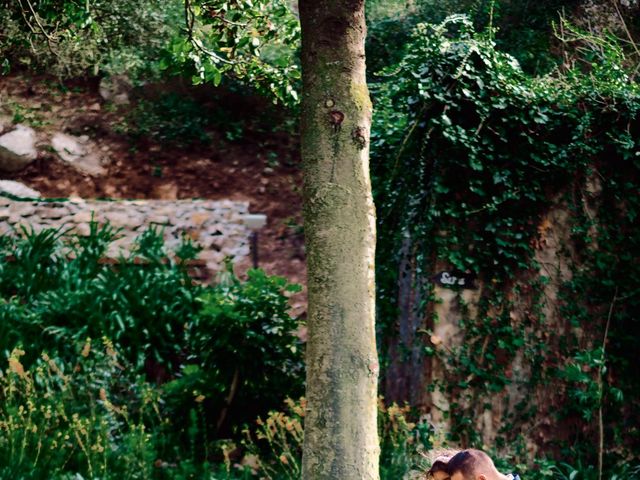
(468,462)
(438,466)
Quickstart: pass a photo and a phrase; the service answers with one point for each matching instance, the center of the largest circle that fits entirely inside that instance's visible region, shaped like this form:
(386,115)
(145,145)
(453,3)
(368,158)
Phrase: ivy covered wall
(528,186)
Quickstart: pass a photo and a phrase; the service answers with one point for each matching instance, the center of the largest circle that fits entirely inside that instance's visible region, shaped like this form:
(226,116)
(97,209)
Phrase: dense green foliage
(255,40)
(469,154)
(243,352)
(218,356)
(522,28)
(51,300)
(70,38)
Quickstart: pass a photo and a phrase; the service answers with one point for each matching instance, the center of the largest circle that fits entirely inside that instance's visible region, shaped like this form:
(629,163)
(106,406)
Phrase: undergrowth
(132,369)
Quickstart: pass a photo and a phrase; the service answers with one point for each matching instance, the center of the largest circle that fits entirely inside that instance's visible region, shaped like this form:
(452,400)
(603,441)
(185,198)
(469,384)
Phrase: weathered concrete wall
(218,226)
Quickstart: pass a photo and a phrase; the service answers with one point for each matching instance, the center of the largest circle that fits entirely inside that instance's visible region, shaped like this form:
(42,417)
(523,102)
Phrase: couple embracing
(467,464)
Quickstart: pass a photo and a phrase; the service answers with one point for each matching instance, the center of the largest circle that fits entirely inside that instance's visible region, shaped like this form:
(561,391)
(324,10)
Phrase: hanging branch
(626,28)
(50,39)
(190,19)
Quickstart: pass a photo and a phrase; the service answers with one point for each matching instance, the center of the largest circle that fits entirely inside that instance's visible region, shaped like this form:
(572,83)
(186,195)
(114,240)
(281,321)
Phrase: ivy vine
(469,154)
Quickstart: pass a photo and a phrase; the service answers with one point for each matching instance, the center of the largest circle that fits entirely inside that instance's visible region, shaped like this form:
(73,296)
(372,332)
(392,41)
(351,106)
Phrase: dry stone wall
(218,226)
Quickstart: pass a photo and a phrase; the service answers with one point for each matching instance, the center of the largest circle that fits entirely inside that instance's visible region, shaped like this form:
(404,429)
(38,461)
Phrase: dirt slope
(258,165)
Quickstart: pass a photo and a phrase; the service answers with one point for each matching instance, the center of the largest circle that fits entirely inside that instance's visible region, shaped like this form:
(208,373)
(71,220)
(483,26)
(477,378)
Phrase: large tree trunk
(341,440)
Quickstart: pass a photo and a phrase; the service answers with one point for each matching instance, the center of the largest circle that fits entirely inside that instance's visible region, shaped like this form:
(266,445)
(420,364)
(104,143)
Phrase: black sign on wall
(455,279)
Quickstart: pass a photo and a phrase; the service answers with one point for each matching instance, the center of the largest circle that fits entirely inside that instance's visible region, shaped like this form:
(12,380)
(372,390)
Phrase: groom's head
(472,464)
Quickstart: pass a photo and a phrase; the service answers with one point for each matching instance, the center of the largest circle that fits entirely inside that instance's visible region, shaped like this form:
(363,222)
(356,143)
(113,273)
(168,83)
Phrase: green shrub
(243,354)
(228,351)
(171,119)
(57,292)
(521,28)
(70,38)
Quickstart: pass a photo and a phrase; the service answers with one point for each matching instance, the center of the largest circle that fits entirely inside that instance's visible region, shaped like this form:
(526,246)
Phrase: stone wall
(438,324)
(218,226)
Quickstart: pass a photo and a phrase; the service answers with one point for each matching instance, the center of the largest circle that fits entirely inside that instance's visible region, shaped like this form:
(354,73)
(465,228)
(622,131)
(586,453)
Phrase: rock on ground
(18,189)
(78,152)
(115,89)
(17,148)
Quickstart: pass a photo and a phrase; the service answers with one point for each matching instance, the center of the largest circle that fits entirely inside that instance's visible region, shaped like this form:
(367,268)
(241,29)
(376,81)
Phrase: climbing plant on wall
(469,154)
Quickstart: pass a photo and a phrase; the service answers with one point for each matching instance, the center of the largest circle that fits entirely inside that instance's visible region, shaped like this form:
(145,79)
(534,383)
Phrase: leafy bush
(521,28)
(243,352)
(71,38)
(57,292)
(231,346)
